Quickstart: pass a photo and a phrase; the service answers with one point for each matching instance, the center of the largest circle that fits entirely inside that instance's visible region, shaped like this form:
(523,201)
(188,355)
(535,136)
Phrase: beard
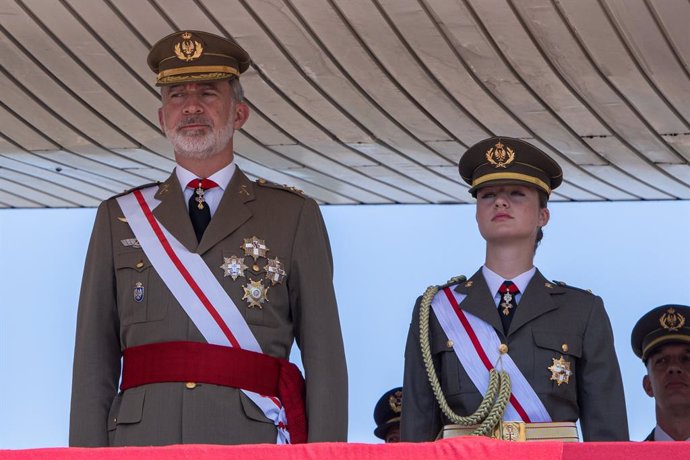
(199,145)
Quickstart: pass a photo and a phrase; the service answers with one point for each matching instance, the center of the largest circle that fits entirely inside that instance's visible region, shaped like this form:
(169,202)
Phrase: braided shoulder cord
(490,411)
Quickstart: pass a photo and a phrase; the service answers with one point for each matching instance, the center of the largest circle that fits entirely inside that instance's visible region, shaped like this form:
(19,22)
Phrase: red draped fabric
(469,448)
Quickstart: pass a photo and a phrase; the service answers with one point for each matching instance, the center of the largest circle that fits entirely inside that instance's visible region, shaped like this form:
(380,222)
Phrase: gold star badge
(255,294)
(255,247)
(233,266)
(560,370)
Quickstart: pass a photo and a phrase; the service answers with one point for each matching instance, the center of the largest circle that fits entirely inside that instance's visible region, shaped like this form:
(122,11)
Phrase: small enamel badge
(138,292)
(255,294)
(233,267)
(560,370)
(274,271)
(254,247)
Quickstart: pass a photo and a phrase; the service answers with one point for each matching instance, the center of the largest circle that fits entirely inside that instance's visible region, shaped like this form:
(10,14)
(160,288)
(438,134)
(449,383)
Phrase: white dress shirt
(494,282)
(211,196)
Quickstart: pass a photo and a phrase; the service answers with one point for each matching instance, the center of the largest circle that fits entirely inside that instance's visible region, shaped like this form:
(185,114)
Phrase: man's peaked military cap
(194,56)
(505,160)
(662,325)
(387,411)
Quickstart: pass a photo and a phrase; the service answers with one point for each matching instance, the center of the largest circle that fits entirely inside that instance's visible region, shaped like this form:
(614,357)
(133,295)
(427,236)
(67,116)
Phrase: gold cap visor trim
(664,338)
(212,72)
(512,176)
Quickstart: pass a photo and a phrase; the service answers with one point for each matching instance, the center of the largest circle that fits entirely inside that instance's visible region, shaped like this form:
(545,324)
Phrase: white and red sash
(476,345)
(197,290)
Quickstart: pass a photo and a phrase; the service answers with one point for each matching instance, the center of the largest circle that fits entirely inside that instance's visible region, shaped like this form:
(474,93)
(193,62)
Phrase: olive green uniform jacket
(548,316)
(302,308)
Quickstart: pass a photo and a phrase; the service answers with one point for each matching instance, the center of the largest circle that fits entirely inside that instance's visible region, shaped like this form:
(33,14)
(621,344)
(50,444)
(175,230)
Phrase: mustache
(193,120)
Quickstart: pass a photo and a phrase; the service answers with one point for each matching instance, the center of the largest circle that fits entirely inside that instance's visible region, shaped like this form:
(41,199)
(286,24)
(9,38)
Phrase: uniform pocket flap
(132,406)
(251,410)
(135,260)
(567,344)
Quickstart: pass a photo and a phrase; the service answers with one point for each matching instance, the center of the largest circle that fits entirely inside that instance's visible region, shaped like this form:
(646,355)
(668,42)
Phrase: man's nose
(192,105)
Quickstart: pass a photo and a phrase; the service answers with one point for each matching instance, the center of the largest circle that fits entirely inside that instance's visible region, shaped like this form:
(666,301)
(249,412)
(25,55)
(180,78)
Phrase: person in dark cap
(507,353)
(661,338)
(196,288)
(387,415)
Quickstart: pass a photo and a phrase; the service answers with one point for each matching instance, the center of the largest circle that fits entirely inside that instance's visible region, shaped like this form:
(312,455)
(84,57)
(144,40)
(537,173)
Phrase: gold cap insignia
(187,49)
(500,156)
(395,401)
(560,370)
(672,321)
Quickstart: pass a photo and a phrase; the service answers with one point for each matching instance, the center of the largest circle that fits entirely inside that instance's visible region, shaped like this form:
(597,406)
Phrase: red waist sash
(219,365)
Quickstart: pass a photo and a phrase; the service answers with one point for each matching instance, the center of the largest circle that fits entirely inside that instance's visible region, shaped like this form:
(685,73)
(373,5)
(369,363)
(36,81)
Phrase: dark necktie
(507,304)
(199,211)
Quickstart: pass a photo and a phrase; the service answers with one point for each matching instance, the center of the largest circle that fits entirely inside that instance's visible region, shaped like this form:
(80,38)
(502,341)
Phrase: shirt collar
(661,435)
(221,177)
(494,280)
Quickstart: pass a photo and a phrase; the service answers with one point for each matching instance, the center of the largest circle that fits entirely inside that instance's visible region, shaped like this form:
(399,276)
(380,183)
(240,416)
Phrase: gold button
(548,285)
(190,385)
(114,419)
(564,347)
(140,264)
(449,343)
(503,348)
(256,267)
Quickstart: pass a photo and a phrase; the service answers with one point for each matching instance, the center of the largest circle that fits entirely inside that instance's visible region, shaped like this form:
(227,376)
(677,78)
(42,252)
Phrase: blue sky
(634,254)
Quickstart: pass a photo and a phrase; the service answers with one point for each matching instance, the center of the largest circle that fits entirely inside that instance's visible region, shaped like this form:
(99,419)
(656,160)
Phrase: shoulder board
(288,188)
(139,187)
(565,285)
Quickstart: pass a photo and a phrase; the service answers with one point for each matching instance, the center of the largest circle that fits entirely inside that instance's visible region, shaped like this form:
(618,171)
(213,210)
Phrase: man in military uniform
(661,338)
(200,285)
(387,415)
(539,353)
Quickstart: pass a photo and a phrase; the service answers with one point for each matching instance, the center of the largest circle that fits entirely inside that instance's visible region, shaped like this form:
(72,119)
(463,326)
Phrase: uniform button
(564,347)
(190,385)
(503,348)
(256,267)
(114,419)
(140,264)
(449,343)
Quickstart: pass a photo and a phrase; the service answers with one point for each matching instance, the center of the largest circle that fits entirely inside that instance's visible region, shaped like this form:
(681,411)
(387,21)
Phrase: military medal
(199,198)
(138,292)
(255,294)
(274,271)
(254,247)
(560,370)
(233,267)
(507,297)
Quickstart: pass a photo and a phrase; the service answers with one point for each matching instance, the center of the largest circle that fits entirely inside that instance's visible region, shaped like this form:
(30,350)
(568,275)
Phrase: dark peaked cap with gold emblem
(505,160)
(387,411)
(662,325)
(194,56)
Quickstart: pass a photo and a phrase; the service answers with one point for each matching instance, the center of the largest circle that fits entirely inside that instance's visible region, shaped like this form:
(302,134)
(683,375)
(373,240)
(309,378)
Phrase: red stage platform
(469,448)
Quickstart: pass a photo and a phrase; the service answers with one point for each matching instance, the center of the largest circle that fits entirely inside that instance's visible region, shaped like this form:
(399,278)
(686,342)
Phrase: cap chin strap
(490,412)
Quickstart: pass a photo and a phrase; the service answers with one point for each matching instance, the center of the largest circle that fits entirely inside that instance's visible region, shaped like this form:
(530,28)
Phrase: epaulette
(138,187)
(288,188)
(565,285)
(454,280)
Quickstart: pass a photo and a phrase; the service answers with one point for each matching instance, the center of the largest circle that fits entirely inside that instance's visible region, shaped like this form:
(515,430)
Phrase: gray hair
(237,90)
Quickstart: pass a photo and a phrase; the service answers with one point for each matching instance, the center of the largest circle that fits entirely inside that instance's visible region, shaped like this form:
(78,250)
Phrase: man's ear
(647,385)
(241,115)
